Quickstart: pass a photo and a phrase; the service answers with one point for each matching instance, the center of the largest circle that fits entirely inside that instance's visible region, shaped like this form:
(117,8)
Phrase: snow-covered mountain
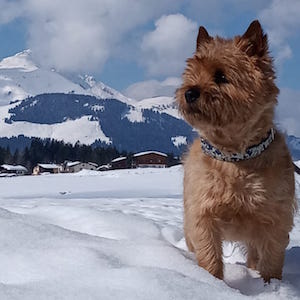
(72,117)
(21,77)
(36,102)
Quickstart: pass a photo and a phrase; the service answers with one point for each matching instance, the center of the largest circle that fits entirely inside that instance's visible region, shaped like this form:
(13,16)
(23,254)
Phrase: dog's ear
(254,41)
(203,37)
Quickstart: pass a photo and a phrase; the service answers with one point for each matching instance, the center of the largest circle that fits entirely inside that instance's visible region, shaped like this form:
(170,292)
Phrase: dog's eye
(220,77)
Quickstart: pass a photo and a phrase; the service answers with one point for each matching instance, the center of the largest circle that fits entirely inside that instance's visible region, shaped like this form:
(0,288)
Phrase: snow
(49,166)
(150,152)
(116,235)
(70,131)
(135,115)
(163,104)
(21,77)
(72,163)
(297,163)
(19,85)
(20,61)
(100,90)
(14,168)
(119,159)
(179,140)
(97,107)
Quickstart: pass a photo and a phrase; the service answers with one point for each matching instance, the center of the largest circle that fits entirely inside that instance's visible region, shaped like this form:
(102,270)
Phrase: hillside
(90,120)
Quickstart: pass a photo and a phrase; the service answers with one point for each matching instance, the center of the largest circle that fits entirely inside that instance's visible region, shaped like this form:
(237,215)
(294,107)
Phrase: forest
(53,151)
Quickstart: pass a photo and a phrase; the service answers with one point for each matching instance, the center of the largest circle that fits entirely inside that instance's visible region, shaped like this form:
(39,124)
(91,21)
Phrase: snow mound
(116,235)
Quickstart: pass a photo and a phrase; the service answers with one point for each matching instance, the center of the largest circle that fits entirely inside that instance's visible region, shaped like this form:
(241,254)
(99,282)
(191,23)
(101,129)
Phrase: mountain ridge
(36,102)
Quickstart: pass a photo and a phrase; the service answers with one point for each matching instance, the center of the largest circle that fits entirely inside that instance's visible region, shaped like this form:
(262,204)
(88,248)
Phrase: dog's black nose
(192,95)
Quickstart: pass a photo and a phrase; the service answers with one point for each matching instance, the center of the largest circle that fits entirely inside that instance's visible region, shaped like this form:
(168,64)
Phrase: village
(145,159)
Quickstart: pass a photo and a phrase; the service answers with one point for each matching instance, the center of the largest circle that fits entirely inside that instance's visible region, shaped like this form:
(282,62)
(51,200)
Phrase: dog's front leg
(271,256)
(207,245)
(252,256)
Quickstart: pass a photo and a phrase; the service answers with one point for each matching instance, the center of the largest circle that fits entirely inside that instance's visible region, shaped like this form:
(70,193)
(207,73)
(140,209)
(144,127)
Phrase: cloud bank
(282,23)
(81,35)
(166,48)
(153,88)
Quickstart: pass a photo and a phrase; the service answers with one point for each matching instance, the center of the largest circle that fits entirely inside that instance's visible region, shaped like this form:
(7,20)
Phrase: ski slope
(116,235)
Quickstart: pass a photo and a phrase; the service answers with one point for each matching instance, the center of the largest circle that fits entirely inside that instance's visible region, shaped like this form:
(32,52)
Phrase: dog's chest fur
(236,195)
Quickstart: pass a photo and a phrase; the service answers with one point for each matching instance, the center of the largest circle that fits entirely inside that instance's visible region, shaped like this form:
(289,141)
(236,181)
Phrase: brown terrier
(239,177)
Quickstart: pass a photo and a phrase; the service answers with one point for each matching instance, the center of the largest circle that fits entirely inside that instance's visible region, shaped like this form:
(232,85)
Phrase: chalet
(47,168)
(149,159)
(13,170)
(119,163)
(76,166)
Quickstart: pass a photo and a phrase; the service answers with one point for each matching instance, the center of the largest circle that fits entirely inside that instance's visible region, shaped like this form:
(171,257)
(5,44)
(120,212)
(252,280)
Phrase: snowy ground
(115,235)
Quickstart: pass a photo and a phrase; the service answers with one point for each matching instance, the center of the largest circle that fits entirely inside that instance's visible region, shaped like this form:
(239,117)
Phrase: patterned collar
(250,152)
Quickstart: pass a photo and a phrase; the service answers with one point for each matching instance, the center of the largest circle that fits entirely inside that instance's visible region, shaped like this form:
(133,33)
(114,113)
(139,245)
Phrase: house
(47,168)
(149,159)
(13,170)
(119,163)
(76,166)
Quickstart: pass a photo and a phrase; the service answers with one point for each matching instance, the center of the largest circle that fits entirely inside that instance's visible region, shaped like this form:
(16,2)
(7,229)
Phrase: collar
(250,152)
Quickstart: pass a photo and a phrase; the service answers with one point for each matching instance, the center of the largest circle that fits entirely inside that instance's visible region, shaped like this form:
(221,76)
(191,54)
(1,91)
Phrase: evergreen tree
(16,158)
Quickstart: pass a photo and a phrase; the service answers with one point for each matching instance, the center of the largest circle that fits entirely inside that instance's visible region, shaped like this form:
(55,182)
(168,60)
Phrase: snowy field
(115,235)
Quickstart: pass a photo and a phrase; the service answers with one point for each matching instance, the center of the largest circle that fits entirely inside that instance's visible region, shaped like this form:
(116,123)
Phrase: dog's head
(228,81)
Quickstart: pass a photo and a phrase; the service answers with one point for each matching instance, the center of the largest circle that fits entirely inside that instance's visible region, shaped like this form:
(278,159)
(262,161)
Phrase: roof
(49,166)
(14,168)
(108,166)
(150,152)
(72,163)
(75,163)
(119,159)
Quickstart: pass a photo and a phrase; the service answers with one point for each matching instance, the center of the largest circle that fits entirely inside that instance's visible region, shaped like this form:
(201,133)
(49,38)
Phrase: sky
(139,47)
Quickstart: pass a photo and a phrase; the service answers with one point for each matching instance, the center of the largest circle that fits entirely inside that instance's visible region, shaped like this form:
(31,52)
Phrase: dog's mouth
(205,105)
(194,113)
(210,109)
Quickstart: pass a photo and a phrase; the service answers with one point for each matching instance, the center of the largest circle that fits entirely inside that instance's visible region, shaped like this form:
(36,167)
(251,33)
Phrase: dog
(238,175)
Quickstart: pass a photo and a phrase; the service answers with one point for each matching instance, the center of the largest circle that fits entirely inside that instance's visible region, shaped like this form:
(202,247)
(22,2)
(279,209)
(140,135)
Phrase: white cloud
(166,48)
(288,111)
(80,35)
(9,11)
(153,88)
(282,22)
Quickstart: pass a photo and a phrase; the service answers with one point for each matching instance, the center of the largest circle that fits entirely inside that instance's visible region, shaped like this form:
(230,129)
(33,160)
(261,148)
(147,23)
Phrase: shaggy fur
(251,201)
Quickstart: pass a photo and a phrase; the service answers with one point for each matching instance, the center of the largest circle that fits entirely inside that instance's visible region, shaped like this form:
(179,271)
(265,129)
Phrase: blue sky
(139,46)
